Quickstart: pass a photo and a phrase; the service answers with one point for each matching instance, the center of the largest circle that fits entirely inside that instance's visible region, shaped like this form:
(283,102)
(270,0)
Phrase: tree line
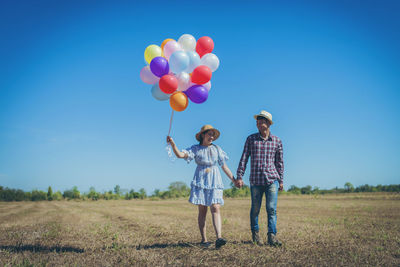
(348,188)
(175,190)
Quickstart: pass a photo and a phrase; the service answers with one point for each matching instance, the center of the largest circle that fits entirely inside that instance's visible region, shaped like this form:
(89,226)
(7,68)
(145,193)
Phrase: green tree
(166,194)
(57,196)
(93,195)
(8,194)
(133,194)
(178,189)
(306,190)
(76,193)
(68,194)
(20,195)
(72,193)
(316,190)
(49,193)
(28,196)
(349,187)
(294,189)
(117,190)
(38,195)
(157,193)
(142,193)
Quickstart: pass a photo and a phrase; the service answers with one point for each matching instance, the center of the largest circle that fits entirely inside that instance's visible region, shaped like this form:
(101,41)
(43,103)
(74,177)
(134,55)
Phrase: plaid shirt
(266,159)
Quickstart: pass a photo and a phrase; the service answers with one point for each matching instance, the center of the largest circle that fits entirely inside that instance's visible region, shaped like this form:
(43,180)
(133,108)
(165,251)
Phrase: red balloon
(168,83)
(201,75)
(204,45)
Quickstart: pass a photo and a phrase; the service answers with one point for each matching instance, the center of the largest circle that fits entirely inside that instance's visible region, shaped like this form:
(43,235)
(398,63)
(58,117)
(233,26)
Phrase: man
(266,175)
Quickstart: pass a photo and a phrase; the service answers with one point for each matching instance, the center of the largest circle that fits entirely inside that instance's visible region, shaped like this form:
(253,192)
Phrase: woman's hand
(170,141)
(178,153)
(239,183)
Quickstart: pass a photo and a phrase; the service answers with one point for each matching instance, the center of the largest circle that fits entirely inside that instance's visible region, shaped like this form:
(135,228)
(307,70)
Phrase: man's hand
(280,187)
(238,183)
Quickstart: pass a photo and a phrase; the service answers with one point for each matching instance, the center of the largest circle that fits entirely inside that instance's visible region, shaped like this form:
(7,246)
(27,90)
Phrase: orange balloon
(164,42)
(178,101)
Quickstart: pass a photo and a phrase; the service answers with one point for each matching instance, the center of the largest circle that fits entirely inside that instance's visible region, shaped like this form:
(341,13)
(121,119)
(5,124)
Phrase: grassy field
(346,229)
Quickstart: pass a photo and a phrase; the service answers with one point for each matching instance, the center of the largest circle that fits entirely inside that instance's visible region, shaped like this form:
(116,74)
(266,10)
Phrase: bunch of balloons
(180,70)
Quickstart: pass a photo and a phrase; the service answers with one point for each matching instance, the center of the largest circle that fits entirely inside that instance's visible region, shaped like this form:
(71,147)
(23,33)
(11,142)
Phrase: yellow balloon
(151,52)
(178,101)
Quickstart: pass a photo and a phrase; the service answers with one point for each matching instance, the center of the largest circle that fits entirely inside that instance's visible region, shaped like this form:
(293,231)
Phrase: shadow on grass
(248,242)
(186,245)
(38,248)
(167,245)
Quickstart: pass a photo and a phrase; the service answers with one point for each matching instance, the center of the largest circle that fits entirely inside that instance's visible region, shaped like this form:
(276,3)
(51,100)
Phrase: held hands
(238,183)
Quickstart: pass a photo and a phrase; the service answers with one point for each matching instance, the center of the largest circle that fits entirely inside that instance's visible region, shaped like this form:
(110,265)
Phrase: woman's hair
(201,136)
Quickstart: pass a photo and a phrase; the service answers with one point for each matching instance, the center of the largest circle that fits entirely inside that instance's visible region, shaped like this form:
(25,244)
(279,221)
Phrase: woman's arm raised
(179,154)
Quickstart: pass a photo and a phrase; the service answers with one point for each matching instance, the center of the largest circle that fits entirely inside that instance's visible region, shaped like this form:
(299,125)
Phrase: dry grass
(348,229)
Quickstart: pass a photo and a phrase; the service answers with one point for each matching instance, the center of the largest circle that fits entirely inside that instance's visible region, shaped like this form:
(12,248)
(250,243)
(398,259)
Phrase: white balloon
(211,61)
(188,42)
(194,61)
(183,81)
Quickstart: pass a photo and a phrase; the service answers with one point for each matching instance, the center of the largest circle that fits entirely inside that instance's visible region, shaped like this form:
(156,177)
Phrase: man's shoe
(256,238)
(220,242)
(273,241)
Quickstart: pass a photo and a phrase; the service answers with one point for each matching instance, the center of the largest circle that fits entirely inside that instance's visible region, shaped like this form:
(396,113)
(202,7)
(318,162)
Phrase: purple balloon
(159,66)
(197,94)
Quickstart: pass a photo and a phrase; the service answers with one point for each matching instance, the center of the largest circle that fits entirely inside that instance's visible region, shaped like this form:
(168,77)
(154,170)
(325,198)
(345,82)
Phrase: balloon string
(170,122)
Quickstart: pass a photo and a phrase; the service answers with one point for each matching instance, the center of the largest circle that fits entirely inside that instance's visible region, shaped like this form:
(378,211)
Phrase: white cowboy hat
(266,115)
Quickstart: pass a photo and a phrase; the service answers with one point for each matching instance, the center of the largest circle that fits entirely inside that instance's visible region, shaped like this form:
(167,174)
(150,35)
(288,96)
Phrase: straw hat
(266,115)
(206,128)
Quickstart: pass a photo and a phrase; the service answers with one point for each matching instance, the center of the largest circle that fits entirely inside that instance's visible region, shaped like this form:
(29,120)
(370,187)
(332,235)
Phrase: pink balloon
(170,47)
(207,85)
(147,76)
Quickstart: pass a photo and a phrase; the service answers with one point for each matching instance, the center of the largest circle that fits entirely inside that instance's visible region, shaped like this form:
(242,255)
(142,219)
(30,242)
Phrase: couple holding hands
(266,177)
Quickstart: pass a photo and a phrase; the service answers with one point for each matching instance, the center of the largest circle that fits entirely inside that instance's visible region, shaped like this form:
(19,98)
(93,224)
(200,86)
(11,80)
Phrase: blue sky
(74,112)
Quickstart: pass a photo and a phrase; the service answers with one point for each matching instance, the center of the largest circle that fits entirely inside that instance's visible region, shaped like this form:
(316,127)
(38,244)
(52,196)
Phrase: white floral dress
(206,187)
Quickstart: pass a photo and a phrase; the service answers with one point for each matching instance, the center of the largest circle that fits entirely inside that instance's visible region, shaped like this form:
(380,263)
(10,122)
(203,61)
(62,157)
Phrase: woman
(206,187)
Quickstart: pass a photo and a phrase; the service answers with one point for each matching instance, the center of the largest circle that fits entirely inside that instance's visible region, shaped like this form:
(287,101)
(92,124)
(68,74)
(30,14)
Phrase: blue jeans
(271,195)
